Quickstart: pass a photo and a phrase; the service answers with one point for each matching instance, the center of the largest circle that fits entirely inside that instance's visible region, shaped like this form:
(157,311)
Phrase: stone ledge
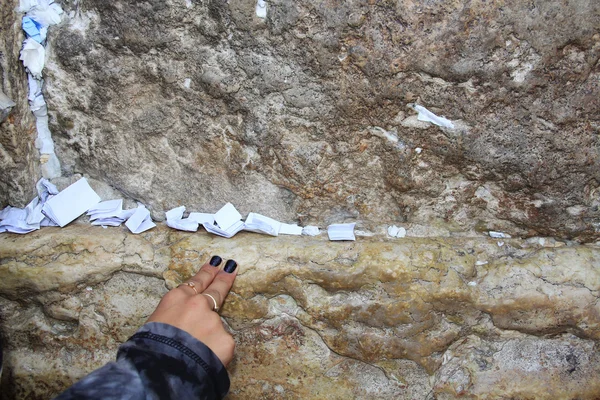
(397,310)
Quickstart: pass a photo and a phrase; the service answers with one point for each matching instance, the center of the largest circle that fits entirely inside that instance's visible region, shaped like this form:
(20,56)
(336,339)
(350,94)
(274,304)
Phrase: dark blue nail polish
(215,261)
(230,266)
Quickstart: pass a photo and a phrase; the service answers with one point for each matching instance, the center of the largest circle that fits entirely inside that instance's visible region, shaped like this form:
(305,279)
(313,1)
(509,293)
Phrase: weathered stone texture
(206,103)
(303,117)
(19,159)
(411,318)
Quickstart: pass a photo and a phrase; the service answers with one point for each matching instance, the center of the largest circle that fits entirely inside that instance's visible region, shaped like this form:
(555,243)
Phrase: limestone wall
(378,319)
(19,160)
(303,115)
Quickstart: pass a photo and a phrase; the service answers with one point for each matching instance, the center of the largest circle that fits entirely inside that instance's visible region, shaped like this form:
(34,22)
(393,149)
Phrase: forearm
(158,362)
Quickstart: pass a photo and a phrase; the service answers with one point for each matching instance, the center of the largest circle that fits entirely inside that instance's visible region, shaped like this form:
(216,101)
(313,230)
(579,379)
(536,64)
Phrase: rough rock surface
(19,159)
(377,318)
(302,115)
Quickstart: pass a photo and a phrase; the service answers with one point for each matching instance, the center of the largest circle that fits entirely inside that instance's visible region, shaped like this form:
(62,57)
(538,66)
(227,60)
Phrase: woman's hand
(192,307)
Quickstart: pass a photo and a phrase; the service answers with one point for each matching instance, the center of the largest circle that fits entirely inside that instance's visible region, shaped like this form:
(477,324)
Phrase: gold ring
(215,307)
(192,285)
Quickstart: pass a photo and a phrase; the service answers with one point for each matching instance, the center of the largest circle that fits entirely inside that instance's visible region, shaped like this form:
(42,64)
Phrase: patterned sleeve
(158,362)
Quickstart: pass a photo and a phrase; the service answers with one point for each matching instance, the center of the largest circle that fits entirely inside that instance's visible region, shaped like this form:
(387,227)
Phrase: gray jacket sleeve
(158,362)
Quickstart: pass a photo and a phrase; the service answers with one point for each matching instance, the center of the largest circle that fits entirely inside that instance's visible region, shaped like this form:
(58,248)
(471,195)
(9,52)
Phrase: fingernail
(230,266)
(215,261)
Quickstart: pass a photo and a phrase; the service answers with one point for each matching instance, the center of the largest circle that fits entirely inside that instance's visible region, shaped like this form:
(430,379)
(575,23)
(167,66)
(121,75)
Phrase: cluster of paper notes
(30,218)
(54,208)
(228,221)
(39,16)
(51,208)
(109,213)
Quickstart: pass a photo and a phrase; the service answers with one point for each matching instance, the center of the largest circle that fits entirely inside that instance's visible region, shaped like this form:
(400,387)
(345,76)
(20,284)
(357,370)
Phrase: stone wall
(19,159)
(408,319)
(303,115)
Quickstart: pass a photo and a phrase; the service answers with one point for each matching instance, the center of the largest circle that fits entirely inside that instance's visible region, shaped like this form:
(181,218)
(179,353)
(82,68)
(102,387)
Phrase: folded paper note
(26,5)
(227,217)
(33,56)
(499,235)
(228,233)
(46,13)
(397,232)
(140,221)
(34,212)
(34,29)
(45,189)
(109,206)
(290,229)
(15,220)
(175,220)
(109,213)
(427,116)
(202,218)
(261,224)
(71,203)
(261,9)
(175,214)
(184,224)
(30,218)
(311,230)
(341,231)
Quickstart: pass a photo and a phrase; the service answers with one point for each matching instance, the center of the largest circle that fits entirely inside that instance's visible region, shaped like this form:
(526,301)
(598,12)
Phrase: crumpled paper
(33,56)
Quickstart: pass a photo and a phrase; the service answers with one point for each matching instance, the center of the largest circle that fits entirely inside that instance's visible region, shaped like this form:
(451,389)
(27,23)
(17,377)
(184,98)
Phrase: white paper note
(109,213)
(175,220)
(106,207)
(175,214)
(184,224)
(140,221)
(261,9)
(397,232)
(45,190)
(5,212)
(47,13)
(108,222)
(26,5)
(30,218)
(341,231)
(227,216)
(71,202)
(33,56)
(290,229)
(427,116)
(34,212)
(202,218)
(499,235)
(261,224)
(15,220)
(311,230)
(233,229)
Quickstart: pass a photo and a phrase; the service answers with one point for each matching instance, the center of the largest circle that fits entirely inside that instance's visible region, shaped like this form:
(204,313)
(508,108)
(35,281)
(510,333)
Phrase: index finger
(221,285)
(203,278)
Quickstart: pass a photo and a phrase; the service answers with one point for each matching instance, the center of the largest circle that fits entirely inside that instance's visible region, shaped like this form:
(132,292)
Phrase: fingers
(204,277)
(192,313)
(221,284)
